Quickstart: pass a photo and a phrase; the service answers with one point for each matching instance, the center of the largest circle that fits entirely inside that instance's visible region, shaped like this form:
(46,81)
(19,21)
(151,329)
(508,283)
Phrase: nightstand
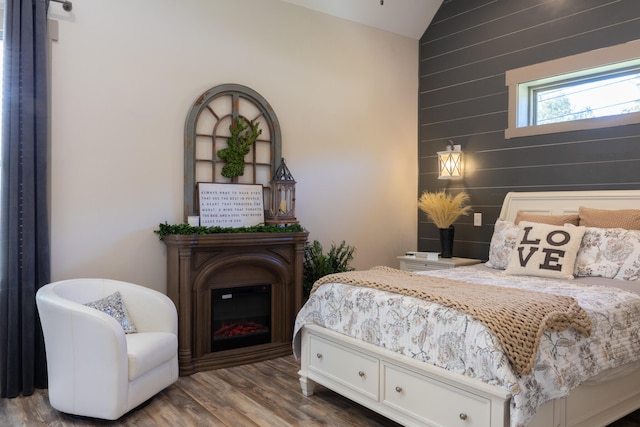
(422,264)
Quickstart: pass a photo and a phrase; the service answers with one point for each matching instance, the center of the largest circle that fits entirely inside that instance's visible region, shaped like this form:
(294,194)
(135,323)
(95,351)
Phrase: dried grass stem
(442,208)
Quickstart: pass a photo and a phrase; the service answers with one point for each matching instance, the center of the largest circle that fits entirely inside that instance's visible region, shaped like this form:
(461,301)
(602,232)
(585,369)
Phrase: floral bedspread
(453,340)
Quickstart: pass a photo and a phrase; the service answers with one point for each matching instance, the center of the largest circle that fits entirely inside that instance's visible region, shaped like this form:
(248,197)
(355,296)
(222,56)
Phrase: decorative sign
(230,205)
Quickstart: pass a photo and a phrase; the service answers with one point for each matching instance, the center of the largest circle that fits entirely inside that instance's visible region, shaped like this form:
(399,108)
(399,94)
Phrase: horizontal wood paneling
(464,55)
(460,92)
(505,33)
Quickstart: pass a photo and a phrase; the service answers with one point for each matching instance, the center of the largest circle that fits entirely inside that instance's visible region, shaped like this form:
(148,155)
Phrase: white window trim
(582,63)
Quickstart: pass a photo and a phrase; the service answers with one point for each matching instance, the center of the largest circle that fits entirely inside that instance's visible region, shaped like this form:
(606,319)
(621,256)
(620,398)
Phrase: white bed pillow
(503,241)
(545,250)
(603,251)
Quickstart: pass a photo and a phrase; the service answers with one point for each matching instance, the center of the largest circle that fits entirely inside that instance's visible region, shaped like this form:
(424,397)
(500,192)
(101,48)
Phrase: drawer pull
(361,373)
(319,355)
(399,389)
(463,416)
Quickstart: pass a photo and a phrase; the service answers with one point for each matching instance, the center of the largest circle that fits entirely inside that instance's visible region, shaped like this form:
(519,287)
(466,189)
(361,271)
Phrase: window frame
(520,80)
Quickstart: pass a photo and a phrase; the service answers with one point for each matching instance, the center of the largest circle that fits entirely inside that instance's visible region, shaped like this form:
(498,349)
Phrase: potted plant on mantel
(444,209)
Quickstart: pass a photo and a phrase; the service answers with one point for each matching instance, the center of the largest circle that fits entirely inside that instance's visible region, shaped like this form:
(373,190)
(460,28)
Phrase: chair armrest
(78,338)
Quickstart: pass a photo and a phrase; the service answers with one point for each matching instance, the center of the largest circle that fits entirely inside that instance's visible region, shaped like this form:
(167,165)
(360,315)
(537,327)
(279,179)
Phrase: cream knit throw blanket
(517,317)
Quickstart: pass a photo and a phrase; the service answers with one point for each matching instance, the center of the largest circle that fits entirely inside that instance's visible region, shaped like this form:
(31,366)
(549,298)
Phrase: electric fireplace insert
(240,317)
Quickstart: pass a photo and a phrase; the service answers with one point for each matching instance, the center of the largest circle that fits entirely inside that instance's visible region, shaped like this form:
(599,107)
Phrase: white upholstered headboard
(567,202)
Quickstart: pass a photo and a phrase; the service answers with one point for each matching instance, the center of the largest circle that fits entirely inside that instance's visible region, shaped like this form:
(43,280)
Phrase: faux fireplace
(236,294)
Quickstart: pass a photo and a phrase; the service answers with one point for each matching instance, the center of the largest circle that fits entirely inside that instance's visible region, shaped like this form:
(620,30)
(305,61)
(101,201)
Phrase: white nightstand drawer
(420,265)
(423,264)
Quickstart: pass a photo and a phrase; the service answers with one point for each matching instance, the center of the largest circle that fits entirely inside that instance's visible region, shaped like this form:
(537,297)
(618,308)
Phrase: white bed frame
(418,394)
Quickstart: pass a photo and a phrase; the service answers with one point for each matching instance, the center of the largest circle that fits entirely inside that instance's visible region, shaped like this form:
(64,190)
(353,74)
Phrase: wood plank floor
(261,394)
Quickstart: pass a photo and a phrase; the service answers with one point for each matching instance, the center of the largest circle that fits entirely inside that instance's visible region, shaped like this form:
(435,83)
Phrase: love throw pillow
(545,250)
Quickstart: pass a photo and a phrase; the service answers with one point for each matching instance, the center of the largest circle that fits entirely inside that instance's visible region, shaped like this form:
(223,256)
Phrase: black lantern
(283,197)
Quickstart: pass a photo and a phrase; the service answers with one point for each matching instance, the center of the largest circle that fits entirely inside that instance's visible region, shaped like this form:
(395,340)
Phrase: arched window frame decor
(208,119)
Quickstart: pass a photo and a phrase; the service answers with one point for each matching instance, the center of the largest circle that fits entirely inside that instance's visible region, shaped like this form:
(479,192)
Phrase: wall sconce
(283,197)
(450,162)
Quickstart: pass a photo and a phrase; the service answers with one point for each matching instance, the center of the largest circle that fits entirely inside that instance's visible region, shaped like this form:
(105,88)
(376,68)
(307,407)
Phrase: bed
(465,378)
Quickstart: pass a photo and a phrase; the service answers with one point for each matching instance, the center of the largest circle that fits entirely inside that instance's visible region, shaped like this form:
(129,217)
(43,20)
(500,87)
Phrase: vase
(446,242)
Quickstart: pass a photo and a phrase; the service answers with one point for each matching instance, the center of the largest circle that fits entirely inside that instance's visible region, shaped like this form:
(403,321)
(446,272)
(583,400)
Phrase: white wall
(124,75)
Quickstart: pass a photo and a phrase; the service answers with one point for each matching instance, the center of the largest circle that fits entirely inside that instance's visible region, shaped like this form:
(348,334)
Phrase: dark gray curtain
(24,232)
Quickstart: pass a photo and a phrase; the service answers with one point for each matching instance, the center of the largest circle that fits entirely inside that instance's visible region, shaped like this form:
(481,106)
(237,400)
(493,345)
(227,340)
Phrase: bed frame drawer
(431,401)
(354,370)
(335,361)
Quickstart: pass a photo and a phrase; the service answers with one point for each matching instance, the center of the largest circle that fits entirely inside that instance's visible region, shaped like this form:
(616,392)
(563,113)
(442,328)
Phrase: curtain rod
(66,4)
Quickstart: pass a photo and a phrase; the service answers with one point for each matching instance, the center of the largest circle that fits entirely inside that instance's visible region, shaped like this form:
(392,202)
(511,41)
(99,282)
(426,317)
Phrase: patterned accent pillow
(603,251)
(628,219)
(503,241)
(547,219)
(545,250)
(630,270)
(114,307)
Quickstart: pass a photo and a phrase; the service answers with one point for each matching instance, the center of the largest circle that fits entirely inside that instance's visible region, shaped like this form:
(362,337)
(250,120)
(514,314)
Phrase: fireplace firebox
(237,295)
(240,317)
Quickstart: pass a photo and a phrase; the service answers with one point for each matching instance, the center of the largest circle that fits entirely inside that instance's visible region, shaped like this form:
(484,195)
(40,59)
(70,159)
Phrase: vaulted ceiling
(408,18)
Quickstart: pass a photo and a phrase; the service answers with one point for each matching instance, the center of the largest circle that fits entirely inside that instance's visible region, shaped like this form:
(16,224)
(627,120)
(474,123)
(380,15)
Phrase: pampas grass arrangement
(442,208)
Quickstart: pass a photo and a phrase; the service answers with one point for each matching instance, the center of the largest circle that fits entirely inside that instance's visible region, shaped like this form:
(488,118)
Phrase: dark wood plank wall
(464,55)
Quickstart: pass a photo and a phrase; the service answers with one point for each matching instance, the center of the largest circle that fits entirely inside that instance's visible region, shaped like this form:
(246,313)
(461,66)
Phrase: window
(577,99)
(595,89)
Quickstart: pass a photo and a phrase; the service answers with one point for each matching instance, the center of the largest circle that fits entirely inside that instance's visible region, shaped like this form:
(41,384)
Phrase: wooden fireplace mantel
(197,264)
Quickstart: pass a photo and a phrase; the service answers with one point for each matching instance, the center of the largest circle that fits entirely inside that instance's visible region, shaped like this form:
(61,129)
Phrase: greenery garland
(167,229)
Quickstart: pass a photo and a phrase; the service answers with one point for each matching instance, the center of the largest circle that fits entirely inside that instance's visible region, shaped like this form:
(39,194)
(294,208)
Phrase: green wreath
(243,135)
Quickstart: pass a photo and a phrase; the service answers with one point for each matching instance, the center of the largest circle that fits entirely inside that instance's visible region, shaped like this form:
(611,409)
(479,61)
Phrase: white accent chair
(94,368)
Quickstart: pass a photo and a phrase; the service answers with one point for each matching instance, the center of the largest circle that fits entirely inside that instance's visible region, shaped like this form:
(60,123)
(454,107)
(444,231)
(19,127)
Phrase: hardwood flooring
(261,394)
